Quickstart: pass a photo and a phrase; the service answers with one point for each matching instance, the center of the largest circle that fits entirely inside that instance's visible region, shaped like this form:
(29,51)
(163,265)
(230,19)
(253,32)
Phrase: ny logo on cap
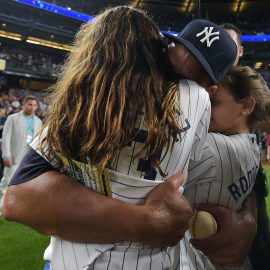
(208,33)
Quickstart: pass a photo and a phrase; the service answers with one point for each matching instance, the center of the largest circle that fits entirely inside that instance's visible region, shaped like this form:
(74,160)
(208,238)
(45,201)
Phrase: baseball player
(226,173)
(129,183)
(179,131)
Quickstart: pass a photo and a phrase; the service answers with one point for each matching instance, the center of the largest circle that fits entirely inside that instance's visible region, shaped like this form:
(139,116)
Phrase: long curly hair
(113,75)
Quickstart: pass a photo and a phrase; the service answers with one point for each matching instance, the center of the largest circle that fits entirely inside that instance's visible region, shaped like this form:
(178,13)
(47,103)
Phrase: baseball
(203,225)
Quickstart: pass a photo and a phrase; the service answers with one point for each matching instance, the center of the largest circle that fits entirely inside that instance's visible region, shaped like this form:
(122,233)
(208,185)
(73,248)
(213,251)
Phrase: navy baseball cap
(210,44)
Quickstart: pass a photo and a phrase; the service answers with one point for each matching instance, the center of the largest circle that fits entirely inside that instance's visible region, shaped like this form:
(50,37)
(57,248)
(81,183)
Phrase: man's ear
(212,90)
(241,51)
(249,104)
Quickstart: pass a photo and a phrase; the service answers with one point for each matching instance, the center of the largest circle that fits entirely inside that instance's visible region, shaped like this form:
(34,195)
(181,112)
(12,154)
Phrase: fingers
(170,213)
(217,211)
(176,180)
(212,244)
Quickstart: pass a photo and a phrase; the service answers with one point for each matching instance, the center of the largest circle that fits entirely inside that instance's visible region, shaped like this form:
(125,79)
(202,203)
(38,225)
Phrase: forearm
(58,205)
(249,210)
(55,204)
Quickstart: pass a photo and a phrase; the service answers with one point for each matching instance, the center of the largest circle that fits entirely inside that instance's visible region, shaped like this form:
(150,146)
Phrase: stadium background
(35,37)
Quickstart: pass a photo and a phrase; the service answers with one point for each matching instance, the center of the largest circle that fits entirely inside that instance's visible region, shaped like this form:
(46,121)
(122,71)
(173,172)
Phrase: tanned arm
(55,204)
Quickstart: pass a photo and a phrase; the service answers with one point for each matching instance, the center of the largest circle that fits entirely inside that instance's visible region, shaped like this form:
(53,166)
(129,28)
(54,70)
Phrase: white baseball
(203,225)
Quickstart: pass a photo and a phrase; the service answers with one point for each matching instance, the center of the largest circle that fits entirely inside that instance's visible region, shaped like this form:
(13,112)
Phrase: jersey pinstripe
(225,175)
(131,181)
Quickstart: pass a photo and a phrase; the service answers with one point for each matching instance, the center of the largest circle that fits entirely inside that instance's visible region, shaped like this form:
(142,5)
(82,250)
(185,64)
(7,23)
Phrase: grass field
(22,248)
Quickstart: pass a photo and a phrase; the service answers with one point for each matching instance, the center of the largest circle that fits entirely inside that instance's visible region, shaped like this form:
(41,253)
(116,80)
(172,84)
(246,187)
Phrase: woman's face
(227,114)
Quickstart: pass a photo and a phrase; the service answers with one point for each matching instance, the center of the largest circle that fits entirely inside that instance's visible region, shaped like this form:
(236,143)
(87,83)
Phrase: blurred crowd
(34,61)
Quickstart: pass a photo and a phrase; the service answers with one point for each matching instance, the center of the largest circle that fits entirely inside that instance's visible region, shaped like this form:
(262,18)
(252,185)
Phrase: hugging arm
(54,204)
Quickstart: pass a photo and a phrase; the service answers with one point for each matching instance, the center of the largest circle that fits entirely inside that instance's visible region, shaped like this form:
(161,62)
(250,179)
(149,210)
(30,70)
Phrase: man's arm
(55,204)
(236,230)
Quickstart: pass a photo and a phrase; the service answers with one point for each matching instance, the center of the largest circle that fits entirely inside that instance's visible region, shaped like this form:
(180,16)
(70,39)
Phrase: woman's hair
(245,81)
(112,77)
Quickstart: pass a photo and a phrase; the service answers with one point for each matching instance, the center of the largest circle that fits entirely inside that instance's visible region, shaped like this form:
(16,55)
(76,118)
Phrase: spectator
(18,132)
(235,34)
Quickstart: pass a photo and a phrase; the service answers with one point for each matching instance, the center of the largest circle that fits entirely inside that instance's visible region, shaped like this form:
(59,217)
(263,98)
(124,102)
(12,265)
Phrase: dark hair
(30,97)
(229,26)
(242,82)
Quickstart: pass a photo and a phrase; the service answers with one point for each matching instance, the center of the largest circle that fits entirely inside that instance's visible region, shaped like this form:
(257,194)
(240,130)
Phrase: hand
(230,245)
(160,222)
(170,213)
(8,162)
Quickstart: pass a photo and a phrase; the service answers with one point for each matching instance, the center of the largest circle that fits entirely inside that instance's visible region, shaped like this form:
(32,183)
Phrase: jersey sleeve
(200,114)
(31,166)
(196,111)
(236,160)
(35,163)
(203,170)
(194,115)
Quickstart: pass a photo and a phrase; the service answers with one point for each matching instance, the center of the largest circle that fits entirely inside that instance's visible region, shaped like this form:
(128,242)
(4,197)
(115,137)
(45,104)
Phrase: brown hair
(112,74)
(245,81)
(229,26)
(30,97)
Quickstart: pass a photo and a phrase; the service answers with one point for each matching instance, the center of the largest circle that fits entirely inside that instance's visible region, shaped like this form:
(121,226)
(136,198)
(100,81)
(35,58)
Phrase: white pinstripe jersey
(225,175)
(131,181)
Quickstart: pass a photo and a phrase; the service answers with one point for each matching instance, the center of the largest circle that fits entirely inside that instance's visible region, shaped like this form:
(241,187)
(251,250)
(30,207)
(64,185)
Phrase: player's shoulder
(194,97)
(223,149)
(191,85)
(192,89)
(232,144)
(218,139)
(231,139)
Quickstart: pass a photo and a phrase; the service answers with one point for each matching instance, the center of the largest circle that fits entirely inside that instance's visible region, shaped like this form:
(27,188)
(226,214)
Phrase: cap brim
(199,56)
